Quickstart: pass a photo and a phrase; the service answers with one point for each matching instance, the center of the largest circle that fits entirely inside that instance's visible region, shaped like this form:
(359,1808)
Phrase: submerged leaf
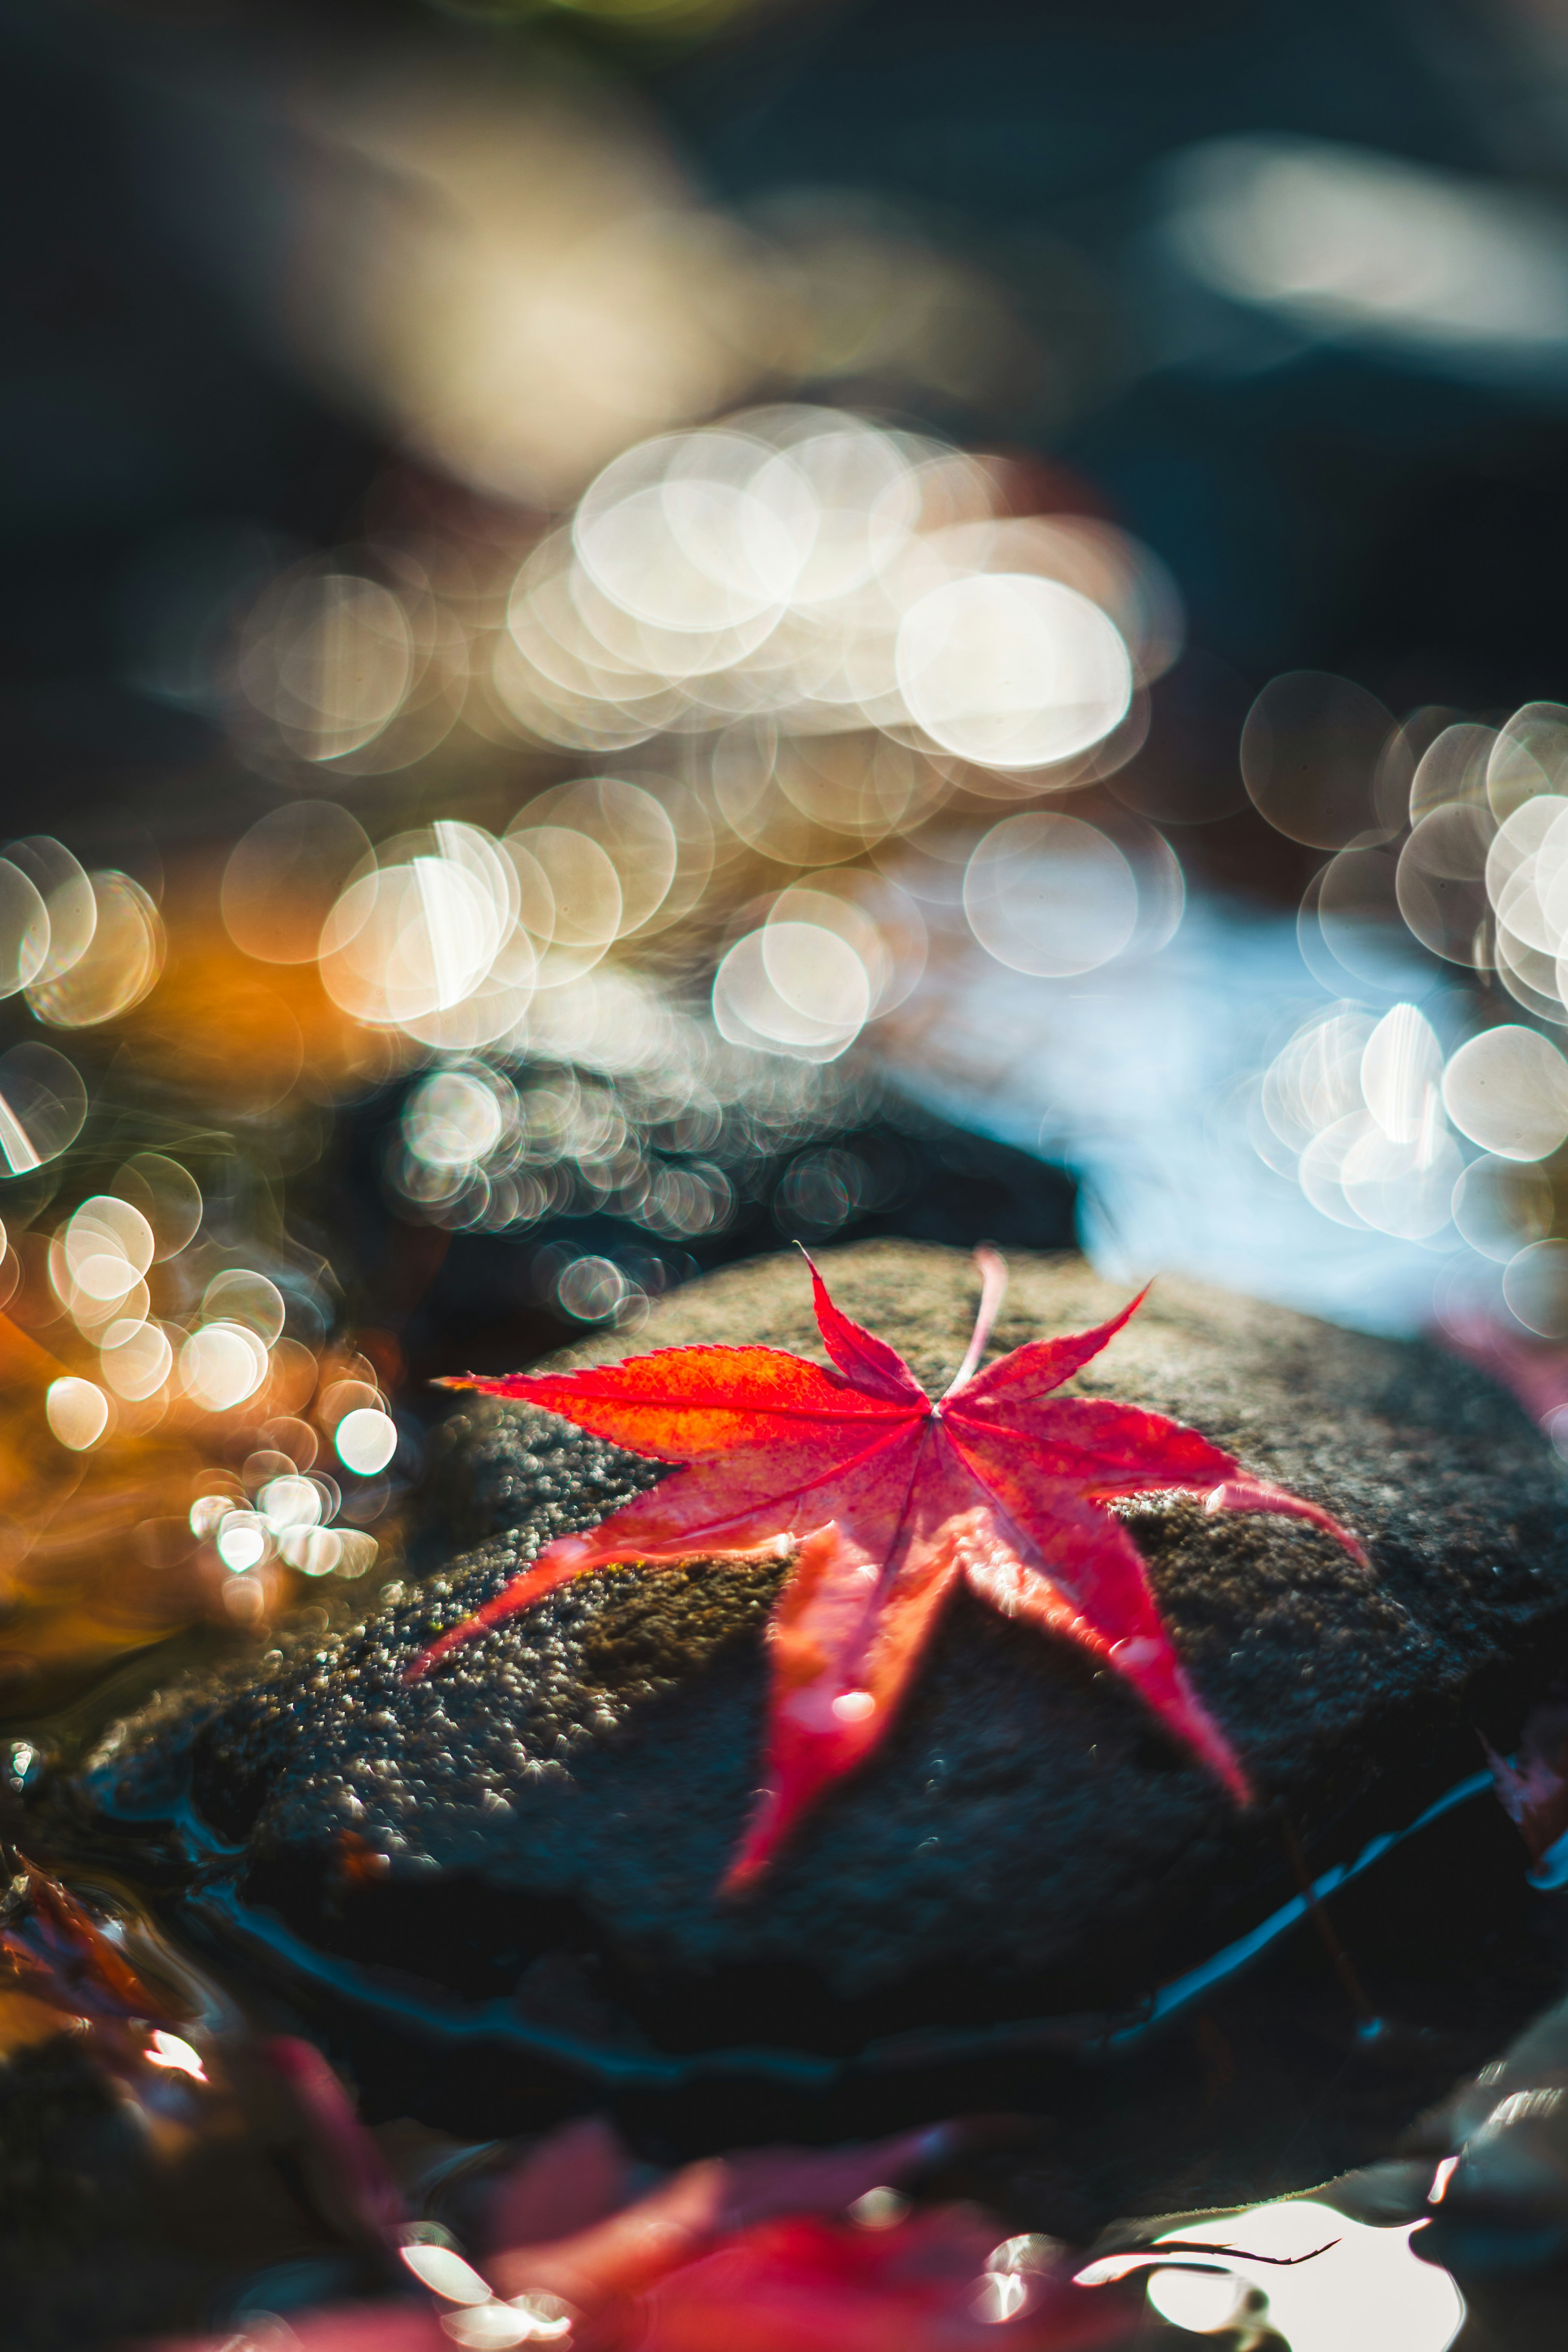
(768,2250)
(1532,1788)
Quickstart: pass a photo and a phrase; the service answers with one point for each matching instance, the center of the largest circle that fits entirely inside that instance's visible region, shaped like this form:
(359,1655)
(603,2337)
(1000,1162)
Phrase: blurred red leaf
(686,2215)
(919,2286)
(678,2270)
(51,1949)
(360,2175)
(574,2179)
(1532,1788)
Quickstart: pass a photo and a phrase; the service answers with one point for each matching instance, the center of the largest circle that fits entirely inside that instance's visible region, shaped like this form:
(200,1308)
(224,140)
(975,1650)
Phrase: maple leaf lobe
(890,1500)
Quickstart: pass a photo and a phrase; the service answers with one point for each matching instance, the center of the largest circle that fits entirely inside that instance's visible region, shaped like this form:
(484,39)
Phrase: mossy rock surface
(544,1820)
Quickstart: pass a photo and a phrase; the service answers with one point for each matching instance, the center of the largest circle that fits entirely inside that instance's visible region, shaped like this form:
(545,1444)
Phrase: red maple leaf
(888,1499)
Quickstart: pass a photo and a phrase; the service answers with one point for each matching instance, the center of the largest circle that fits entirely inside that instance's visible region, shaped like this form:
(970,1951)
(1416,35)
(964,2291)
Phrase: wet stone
(511,1866)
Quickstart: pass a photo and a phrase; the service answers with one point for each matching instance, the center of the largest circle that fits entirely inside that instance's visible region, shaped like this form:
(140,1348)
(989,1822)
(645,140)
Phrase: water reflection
(1322,2280)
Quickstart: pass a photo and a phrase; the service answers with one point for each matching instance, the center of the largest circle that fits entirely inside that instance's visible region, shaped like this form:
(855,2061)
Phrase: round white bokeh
(1050,895)
(1012,671)
(1508,1091)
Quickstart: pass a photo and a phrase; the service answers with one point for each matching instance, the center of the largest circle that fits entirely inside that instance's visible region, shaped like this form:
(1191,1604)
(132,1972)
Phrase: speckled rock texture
(544,1821)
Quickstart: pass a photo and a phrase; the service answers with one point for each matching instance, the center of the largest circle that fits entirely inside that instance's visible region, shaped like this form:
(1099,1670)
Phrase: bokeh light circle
(1501,1206)
(43,1106)
(1508,1091)
(1011,672)
(78,1412)
(243,1540)
(366,1440)
(24,929)
(136,1358)
(1312,761)
(795,988)
(1535,1287)
(1441,882)
(119,967)
(221,1365)
(167,1195)
(283,876)
(66,892)
(244,1298)
(1050,895)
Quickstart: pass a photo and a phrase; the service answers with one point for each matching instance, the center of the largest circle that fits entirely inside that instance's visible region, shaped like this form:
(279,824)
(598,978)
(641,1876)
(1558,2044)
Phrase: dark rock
(520,1853)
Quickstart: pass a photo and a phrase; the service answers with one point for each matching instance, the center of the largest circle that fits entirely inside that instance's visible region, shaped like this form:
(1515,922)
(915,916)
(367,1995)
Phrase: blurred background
(637,628)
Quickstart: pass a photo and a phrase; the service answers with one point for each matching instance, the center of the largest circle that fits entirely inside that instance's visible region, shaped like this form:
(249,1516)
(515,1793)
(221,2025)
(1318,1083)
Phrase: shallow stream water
(1305,2054)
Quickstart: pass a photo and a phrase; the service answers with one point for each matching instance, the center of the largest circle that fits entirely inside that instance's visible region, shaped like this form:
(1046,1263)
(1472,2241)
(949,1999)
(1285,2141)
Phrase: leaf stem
(993,1290)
